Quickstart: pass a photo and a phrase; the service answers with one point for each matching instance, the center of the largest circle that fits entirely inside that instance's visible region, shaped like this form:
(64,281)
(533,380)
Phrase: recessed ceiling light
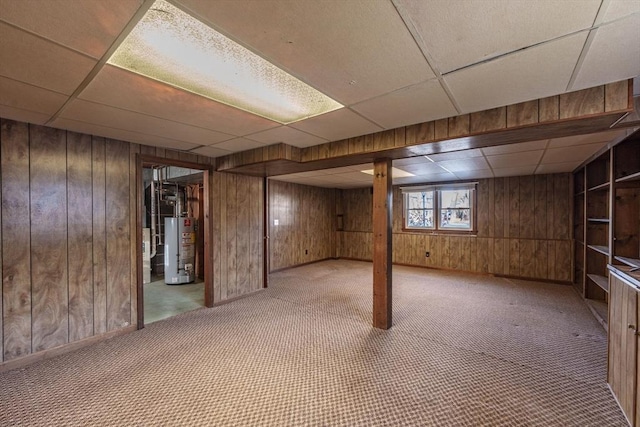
(395,173)
(173,47)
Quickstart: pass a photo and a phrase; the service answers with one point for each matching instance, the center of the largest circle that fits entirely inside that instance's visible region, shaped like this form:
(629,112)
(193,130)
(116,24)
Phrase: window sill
(469,233)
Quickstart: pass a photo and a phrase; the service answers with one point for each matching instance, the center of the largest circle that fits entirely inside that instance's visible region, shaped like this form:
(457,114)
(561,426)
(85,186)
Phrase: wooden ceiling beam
(585,111)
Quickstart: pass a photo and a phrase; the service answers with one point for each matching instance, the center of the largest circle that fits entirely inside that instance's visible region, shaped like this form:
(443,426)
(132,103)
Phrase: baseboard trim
(505,276)
(63,349)
(229,300)
(304,263)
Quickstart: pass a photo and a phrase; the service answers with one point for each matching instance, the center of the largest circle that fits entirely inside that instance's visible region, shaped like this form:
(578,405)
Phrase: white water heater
(179,250)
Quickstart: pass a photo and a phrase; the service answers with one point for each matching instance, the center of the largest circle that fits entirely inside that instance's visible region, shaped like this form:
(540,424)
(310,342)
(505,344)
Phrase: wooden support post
(382,208)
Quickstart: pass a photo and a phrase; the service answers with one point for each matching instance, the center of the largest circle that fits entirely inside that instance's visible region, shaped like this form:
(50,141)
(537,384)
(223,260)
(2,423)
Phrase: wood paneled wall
(66,237)
(67,234)
(237,214)
(305,230)
(523,230)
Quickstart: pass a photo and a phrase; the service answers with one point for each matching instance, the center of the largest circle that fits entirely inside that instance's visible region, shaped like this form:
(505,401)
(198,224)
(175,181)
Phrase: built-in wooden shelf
(632,177)
(600,187)
(631,262)
(600,310)
(602,220)
(601,281)
(598,248)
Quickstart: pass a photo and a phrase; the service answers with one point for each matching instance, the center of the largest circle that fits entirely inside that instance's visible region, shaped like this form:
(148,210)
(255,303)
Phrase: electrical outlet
(426,254)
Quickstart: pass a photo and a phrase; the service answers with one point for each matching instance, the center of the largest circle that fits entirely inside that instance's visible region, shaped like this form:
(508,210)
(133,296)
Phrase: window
(439,207)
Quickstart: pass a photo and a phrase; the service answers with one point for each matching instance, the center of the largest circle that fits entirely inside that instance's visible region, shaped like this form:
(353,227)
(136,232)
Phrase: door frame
(142,161)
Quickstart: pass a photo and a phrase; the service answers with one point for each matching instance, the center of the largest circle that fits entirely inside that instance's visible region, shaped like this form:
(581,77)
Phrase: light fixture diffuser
(175,48)
(395,173)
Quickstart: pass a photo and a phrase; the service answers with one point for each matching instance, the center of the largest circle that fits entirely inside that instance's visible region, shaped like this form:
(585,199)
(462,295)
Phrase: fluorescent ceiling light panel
(395,173)
(173,47)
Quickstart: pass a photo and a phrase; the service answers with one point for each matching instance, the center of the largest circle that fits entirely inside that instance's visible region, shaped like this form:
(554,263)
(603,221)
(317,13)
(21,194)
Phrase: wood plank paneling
(16,250)
(255,230)
(243,235)
(458,126)
(514,207)
(582,102)
(134,149)
(549,109)
(99,235)
(422,132)
(515,235)
(527,207)
(216,242)
(488,120)
(616,96)
(306,225)
(80,236)
(231,244)
(118,235)
(524,113)
(48,190)
(540,207)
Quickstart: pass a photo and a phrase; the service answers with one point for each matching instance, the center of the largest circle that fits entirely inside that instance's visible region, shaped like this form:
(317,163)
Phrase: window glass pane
(455,218)
(420,218)
(421,200)
(455,199)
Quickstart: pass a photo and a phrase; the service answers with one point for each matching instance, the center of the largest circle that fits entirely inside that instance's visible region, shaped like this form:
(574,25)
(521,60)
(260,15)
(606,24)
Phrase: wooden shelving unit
(579,186)
(606,220)
(598,233)
(626,212)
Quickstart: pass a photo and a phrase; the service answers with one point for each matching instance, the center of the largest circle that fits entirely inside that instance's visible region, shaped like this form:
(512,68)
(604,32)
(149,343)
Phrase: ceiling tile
(576,153)
(122,89)
(21,115)
(415,104)
(30,59)
(454,155)
(123,135)
(287,135)
(365,42)
(515,148)
(353,176)
(239,144)
(336,125)
(615,43)
(513,171)
(411,161)
(21,95)
(619,8)
(210,151)
(515,159)
(483,29)
(422,168)
(425,179)
(479,174)
(586,139)
(533,73)
(90,29)
(474,163)
(557,167)
(104,115)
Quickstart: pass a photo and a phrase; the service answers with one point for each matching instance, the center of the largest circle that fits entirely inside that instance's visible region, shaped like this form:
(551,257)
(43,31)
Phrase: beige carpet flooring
(465,350)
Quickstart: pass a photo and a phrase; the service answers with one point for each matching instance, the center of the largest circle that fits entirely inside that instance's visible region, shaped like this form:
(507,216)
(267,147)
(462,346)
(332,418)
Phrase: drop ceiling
(392,63)
(525,158)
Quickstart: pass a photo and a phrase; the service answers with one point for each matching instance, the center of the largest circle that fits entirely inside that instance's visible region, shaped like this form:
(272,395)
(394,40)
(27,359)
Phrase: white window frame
(437,211)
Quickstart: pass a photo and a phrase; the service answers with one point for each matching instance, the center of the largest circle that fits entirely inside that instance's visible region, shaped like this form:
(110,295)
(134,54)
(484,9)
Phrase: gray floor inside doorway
(162,301)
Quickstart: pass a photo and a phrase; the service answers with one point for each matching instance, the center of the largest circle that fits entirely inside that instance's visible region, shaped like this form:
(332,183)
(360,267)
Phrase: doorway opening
(173,262)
